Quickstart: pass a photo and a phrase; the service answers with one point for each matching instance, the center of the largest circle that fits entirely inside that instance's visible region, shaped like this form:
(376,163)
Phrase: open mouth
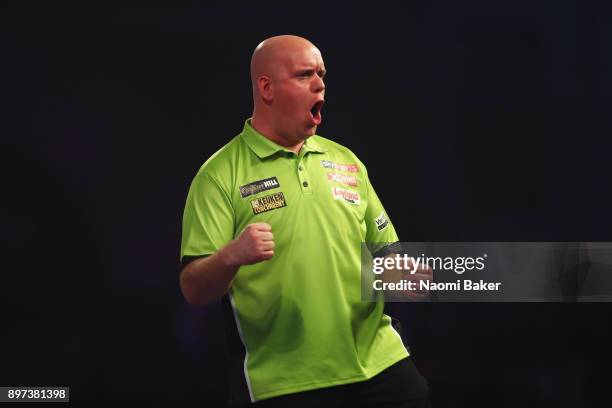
(315,111)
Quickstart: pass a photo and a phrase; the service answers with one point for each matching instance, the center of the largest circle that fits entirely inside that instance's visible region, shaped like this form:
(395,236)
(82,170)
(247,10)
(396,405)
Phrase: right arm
(207,279)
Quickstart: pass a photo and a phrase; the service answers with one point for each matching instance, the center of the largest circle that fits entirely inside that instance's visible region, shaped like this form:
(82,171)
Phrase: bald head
(288,89)
(270,53)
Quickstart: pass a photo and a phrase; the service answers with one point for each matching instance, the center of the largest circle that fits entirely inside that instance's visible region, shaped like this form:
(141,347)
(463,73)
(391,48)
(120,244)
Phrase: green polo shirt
(300,315)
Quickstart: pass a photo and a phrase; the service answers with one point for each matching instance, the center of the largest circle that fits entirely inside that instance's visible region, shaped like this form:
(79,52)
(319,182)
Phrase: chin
(310,132)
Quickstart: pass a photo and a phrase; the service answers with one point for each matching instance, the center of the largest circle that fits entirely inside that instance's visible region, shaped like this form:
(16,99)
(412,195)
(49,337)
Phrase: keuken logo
(347,195)
(342,179)
(269,202)
(259,186)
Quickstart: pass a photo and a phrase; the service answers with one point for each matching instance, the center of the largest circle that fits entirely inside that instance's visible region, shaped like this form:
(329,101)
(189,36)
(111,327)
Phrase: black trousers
(399,386)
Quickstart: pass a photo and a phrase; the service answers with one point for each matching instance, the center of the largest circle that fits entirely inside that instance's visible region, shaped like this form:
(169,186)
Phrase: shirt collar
(264,147)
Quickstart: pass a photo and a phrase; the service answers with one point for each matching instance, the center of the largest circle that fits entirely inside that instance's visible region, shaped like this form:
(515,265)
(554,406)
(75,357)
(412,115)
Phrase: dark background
(477,120)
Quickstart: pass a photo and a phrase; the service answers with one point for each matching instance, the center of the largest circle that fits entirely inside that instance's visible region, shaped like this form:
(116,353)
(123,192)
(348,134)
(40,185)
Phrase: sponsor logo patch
(342,179)
(351,168)
(269,202)
(381,221)
(259,186)
(349,196)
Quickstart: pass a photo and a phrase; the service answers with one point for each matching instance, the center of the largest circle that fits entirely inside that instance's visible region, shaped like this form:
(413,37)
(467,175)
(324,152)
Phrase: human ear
(265,88)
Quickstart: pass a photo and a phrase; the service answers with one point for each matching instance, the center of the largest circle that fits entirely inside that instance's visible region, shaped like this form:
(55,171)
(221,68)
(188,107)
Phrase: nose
(319,85)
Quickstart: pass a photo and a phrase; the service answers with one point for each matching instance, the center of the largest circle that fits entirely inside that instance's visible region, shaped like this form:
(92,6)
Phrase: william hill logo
(259,186)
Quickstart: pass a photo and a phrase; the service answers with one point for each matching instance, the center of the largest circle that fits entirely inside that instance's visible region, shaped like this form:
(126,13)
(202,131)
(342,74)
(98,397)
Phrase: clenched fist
(254,244)
(415,277)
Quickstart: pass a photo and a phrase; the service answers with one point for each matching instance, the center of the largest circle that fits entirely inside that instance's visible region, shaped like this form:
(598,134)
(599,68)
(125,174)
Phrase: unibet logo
(346,195)
(338,166)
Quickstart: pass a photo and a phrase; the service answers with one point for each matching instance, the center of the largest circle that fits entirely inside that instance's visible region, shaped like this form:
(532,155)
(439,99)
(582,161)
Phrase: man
(273,224)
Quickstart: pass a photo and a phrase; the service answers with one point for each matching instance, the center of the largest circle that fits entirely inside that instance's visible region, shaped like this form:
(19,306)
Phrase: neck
(263,127)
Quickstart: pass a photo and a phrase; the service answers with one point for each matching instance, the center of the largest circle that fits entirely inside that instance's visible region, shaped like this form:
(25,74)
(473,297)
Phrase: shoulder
(338,151)
(220,163)
(330,144)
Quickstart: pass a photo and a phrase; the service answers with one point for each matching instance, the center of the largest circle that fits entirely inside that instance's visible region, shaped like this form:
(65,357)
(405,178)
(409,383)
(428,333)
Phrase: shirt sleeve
(208,219)
(381,237)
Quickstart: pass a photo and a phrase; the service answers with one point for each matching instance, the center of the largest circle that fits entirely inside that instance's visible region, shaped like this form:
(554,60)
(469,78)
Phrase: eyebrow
(301,71)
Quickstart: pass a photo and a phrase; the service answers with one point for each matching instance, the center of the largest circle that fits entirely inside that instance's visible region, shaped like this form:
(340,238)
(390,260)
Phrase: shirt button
(305,184)
(300,168)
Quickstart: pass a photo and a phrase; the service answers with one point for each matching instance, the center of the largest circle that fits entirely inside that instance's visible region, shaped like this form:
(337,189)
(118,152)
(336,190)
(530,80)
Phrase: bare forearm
(207,279)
